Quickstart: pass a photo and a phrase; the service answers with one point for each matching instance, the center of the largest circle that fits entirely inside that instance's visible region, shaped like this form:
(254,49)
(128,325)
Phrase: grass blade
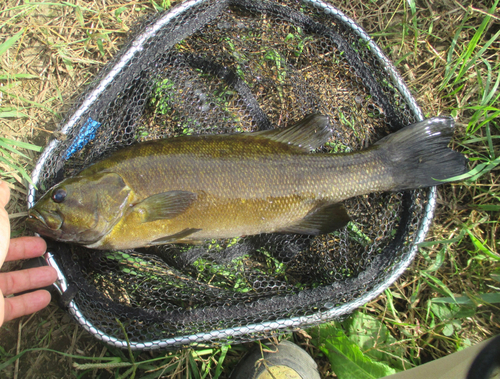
(218,370)
(22,145)
(18,76)
(465,61)
(437,284)
(12,113)
(194,367)
(490,298)
(481,247)
(474,42)
(9,42)
(16,357)
(476,172)
(11,149)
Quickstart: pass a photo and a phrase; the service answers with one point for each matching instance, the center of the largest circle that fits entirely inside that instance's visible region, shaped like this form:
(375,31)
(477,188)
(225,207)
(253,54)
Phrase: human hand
(23,280)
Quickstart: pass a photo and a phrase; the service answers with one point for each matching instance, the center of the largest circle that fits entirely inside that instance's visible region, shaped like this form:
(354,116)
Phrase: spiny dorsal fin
(164,205)
(323,220)
(309,133)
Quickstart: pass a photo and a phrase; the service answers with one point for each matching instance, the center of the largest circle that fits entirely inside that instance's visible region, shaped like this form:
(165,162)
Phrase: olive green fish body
(188,189)
(241,186)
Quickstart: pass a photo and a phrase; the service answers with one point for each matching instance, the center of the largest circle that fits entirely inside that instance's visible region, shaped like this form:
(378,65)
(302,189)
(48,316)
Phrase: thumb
(4,221)
(4,194)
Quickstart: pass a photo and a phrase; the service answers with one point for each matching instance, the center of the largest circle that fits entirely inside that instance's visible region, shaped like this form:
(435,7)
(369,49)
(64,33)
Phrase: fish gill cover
(210,67)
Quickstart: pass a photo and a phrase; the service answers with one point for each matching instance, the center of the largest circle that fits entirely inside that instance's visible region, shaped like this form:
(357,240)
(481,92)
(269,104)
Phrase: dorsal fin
(308,134)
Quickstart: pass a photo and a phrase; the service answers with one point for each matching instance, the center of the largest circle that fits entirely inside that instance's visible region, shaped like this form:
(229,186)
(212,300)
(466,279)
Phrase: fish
(189,189)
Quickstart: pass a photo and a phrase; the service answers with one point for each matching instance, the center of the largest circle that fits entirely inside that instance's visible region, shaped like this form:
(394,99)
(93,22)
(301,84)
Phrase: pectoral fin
(165,205)
(323,220)
(308,134)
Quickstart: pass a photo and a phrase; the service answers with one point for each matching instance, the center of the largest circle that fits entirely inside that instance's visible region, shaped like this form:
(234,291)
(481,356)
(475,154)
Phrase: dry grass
(62,48)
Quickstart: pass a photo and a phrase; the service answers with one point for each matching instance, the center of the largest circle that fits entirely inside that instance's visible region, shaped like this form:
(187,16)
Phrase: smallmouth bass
(191,188)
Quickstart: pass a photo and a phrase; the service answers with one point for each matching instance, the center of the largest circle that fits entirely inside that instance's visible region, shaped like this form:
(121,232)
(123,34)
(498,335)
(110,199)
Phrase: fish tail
(420,156)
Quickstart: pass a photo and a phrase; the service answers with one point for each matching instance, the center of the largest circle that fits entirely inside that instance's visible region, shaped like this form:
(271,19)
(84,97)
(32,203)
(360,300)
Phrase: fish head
(82,209)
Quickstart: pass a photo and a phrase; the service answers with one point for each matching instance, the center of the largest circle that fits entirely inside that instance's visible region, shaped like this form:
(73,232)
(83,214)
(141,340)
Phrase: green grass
(11,154)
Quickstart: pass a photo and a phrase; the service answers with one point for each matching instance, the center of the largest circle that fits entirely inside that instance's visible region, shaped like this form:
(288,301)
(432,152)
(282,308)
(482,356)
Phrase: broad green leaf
(438,262)
(374,339)
(449,311)
(491,298)
(448,330)
(347,360)
(495,276)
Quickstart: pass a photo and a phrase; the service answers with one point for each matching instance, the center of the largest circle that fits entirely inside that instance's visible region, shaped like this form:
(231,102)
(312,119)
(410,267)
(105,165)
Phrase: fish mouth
(35,217)
(40,222)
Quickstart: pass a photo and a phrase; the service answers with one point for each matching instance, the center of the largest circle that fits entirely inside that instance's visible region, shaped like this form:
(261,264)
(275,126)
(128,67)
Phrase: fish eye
(59,195)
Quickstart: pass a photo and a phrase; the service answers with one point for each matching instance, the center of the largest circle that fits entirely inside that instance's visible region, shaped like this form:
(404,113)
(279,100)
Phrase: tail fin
(420,156)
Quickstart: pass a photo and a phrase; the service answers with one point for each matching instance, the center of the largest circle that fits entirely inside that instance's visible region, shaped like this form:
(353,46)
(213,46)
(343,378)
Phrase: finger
(25,280)
(4,194)
(26,304)
(25,247)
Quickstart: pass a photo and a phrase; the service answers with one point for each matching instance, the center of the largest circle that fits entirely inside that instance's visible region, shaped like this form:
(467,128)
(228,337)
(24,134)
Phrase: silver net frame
(203,338)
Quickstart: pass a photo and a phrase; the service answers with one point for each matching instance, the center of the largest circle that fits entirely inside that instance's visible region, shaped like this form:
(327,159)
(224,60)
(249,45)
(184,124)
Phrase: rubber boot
(288,362)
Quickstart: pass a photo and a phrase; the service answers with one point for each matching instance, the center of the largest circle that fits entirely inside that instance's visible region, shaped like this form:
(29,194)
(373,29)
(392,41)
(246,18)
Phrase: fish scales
(241,189)
(263,168)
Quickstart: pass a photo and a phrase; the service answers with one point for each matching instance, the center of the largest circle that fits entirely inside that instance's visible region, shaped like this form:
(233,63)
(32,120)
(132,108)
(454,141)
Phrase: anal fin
(322,220)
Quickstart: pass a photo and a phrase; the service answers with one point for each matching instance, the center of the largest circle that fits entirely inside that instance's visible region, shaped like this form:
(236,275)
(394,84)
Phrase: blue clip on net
(86,135)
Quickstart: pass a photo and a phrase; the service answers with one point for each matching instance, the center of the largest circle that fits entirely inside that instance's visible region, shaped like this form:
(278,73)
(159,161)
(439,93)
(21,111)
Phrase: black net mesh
(222,67)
